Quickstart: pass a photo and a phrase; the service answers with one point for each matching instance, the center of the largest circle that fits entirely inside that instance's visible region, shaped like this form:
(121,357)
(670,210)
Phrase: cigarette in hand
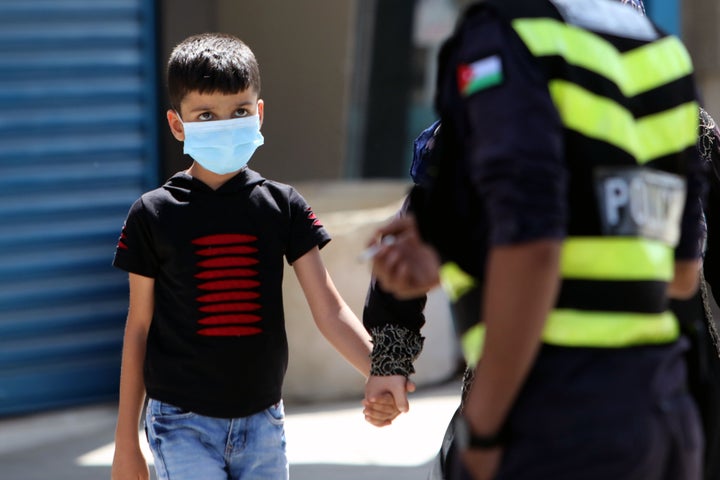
(373,250)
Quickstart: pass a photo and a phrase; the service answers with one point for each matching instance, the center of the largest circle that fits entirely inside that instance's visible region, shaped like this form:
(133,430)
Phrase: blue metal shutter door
(77,147)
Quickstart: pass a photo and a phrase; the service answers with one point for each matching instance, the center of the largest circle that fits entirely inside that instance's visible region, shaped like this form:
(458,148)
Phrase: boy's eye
(205,116)
(241,112)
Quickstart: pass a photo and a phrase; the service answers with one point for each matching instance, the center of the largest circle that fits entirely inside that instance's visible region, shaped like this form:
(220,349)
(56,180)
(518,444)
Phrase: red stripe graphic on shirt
(121,242)
(229,319)
(229,285)
(222,262)
(229,307)
(225,239)
(229,331)
(222,259)
(227,297)
(227,273)
(311,216)
(239,250)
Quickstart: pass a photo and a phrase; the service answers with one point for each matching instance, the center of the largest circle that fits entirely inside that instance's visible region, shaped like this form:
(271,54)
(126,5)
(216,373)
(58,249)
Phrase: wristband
(467,440)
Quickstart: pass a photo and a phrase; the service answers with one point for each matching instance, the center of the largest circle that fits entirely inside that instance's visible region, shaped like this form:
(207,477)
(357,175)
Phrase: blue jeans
(188,446)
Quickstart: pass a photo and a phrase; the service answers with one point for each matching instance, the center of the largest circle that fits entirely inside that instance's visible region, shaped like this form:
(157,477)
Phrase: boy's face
(206,107)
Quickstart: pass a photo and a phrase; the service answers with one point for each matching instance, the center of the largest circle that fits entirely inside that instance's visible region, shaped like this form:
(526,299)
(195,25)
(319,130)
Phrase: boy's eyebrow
(199,108)
(208,107)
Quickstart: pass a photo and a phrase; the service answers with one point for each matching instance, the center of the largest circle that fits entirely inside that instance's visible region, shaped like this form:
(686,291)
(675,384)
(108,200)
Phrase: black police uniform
(530,93)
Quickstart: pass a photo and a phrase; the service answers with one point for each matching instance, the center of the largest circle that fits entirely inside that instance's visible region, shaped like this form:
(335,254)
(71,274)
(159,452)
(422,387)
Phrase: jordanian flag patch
(480,75)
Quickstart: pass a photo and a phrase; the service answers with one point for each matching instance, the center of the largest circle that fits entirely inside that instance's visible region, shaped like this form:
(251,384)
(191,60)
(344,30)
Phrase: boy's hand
(386,398)
(129,465)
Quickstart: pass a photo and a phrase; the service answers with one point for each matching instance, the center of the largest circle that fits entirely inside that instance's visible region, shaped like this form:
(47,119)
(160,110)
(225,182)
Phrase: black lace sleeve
(709,146)
(395,348)
(394,326)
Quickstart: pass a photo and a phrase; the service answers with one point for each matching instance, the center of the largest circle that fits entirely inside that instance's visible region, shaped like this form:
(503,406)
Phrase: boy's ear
(176,126)
(261,110)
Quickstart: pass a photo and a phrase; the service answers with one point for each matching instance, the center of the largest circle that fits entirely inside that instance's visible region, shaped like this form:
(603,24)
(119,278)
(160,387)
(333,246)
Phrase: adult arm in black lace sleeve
(395,328)
(709,146)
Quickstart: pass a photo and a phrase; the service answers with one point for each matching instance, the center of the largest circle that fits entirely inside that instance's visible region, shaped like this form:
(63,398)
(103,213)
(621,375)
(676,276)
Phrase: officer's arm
(686,279)
(527,271)
(513,144)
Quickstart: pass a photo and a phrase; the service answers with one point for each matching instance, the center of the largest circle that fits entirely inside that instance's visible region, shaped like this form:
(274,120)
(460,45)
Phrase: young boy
(205,338)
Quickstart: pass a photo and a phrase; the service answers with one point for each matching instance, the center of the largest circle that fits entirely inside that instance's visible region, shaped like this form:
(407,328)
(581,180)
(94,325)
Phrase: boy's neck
(211,179)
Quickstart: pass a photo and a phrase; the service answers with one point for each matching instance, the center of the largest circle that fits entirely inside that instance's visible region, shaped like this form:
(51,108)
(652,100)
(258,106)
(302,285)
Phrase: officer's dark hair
(208,63)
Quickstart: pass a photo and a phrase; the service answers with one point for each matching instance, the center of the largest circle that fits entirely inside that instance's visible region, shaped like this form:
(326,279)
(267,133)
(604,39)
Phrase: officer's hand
(406,267)
(482,464)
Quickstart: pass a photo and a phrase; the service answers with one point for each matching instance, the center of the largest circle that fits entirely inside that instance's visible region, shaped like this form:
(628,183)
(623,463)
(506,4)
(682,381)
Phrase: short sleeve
(306,230)
(134,252)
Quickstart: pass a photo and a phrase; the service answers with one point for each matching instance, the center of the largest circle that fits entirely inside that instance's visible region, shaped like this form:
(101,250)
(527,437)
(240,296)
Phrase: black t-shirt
(217,343)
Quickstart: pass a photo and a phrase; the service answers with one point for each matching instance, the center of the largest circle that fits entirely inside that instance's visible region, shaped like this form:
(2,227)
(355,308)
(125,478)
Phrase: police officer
(564,199)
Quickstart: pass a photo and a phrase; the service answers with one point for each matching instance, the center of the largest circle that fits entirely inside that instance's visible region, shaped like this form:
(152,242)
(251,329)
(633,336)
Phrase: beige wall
(305,51)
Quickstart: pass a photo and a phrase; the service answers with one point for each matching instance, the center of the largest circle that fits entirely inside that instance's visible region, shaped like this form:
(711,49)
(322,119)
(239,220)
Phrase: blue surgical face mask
(223,146)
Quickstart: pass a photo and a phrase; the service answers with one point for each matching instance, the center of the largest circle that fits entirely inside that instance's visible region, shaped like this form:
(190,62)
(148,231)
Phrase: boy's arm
(128,461)
(337,323)
(341,328)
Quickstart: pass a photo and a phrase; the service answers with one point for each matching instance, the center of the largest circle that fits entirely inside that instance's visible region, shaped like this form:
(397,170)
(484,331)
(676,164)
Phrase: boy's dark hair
(211,62)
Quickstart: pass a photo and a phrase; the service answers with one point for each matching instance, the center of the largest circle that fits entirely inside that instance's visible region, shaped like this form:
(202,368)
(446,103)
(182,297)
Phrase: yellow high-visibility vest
(632,98)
